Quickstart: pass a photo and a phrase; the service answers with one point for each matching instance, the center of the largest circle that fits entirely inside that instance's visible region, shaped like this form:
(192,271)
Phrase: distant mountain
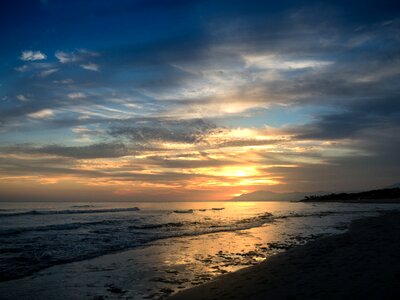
(271,196)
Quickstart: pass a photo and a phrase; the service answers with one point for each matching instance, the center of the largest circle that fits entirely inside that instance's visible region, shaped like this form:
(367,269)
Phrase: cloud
(42,114)
(276,62)
(90,67)
(77,95)
(64,81)
(74,56)
(22,98)
(193,163)
(48,72)
(99,150)
(354,121)
(185,131)
(64,57)
(30,55)
(22,68)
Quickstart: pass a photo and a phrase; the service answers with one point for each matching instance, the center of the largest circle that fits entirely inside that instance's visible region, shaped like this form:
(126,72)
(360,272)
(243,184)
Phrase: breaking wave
(67,212)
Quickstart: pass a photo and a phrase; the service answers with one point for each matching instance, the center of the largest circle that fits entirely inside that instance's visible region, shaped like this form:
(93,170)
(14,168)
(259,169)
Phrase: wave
(58,227)
(203,227)
(187,211)
(190,211)
(184,227)
(321,214)
(68,212)
(164,225)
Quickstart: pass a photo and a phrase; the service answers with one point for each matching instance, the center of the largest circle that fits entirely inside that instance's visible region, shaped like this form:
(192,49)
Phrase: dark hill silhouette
(381,195)
(272,196)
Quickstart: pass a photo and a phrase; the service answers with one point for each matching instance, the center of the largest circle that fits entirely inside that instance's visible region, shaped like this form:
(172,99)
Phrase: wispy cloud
(90,67)
(76,95)
(22,98)
(30,55)
(42,114)
(22,68)
(190,131)
(100,150)
(74,56)
(276,62)
(48,72)
(64,57)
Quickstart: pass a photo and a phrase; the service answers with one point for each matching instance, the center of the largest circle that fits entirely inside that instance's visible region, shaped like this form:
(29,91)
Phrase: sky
(197,100)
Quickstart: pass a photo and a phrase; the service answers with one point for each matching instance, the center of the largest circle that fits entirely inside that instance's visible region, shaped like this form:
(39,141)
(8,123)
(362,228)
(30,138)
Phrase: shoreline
(359,201)
(362,263)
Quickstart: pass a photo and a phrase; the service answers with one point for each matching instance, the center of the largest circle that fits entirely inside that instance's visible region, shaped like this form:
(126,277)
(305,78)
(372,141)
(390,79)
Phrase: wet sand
(363,263)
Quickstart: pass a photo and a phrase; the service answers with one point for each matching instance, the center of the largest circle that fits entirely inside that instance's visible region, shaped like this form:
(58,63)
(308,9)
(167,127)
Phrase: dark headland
(390,195)
(363,263)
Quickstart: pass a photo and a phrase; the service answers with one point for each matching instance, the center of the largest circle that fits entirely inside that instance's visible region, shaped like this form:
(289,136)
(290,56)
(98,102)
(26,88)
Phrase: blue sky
(197,99)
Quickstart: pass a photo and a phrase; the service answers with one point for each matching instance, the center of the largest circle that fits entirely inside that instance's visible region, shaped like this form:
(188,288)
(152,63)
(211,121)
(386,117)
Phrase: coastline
(363,263)
(360,201)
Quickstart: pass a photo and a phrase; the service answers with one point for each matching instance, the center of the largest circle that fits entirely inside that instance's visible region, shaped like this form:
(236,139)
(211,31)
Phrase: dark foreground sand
(363,263)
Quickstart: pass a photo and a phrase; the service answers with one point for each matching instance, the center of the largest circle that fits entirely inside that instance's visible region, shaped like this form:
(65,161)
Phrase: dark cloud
(355,122)
(186,131)
(348,172)
(100,150)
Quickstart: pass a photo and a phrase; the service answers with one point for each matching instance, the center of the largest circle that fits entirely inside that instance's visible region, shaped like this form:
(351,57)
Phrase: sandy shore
(363,263)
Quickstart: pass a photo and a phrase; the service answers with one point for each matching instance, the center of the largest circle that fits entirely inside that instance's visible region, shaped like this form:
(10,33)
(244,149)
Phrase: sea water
(172,245)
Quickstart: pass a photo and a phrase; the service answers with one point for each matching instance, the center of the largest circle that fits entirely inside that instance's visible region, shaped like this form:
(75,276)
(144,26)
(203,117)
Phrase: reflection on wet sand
(194,261)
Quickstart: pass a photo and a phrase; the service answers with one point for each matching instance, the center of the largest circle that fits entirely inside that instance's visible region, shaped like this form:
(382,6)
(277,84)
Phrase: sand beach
(363,263)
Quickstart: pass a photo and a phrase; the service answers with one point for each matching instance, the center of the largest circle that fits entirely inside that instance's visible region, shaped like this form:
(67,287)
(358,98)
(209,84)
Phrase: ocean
(171,246)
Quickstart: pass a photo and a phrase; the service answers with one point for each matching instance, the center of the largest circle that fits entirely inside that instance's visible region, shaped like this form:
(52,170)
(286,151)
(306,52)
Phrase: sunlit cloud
(276,62)
(42,114)
(30,55)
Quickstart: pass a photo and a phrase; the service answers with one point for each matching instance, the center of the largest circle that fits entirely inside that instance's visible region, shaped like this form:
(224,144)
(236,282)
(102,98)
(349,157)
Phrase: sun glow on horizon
(220,164)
